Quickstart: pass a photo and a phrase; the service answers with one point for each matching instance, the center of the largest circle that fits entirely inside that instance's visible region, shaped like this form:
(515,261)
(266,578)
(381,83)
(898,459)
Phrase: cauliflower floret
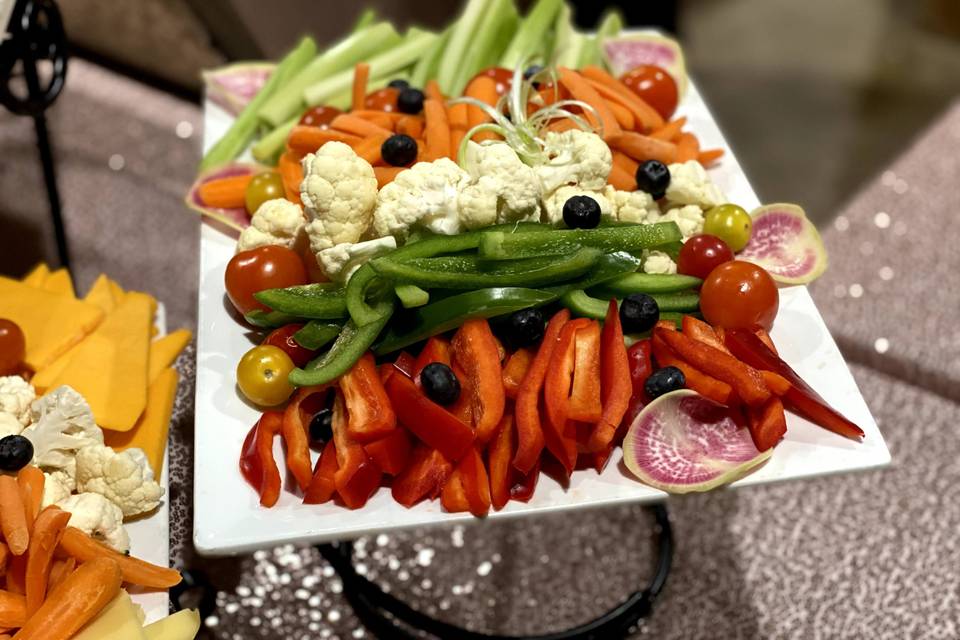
(690,184)
(689,218)
(339,192)
(503,188)
(553,205)
(16,394)
(658,262)
(276,221)
(9,425)
(632,206)
(425,195)
(575,157)
(54,489)
(62,425)
(339,262)
(125,478)
(95,515)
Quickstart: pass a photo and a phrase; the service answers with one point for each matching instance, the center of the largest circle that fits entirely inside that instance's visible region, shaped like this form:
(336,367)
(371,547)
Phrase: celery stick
(589,52)
(502,37)
(500,18)
(569,56)
(610,25)
(244,127)
(461,40)
(562,32)
(414,45)
(426,67)
(288,101)
(268,148)
(364,20)
(532,36)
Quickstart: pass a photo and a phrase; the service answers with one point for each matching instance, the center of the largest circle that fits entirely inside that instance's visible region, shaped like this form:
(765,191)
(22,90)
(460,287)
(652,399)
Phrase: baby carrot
(306,139)
(457,115)
(4,557)
(688,147)
(369,147)
(291,171)
(225,193)
(625,162)
(379,118)
(580,89)
(432,91)
(16,572)
(709,156)
(641,147)
(361,74)
(13,610)
(437,130)
(410,126)
(385,175)
(59,571)
(624,116)
(649,116)
(13,516)
(670,130)
(135,571)
(358,126)
(46,534)
(622,180)
(31,481)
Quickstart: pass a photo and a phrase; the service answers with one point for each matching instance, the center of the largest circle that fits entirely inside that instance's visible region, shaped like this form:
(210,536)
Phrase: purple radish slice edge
(785,243)
(236,219)
(234,86)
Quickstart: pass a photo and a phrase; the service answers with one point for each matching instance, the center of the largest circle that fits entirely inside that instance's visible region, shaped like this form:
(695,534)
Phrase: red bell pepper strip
(641,366)
(463,406)
(768,424)
(530,438)
(478,354)
(524,485)
(515,371)
(296,425)
(453,497)
(801,397)
(437,349)
(499,456)
(405,363)
(392,452)
(357,477)
(585,398)
(424,477)
(370,416)
(700,330)
(559,433)
(430,422)
(468,487)
(666,325)
(323,485)
(257,463)
(696,380)
(765,338)
(745,380)
(775,382)
(616,383)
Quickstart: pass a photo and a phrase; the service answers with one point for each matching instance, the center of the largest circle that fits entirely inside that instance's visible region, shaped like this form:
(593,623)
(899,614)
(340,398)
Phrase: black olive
(321,426)
(398,83)
(410,100)
(440,383)
(16,452)
(663,381)
(399,150)
(654,178)
(581,212)
(526,327)
(638,313)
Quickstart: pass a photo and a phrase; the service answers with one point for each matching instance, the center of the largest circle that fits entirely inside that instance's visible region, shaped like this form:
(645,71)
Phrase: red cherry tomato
(319,116)
(738,295)
(13,347)
(503,77)
(701,254)
(283,338)
(655,86)
(382,99)
(262,268)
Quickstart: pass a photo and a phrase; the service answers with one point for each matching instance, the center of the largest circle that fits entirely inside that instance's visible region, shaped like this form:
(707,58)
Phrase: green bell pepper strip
(495,245)
(645,283)
(465,272)
(609,266)
(269,319)
(582,304)
(411,296)
(349,346)
(451,312)
(681,301)
(316,334)
(363,284)
(320,301)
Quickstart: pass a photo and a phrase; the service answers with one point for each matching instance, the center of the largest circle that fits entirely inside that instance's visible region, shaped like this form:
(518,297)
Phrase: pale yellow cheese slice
(110,368)
(51,322)
(37,275)
(101,295)
(60,281)
(163,351)
(151,430)
(119,620)
(182,625)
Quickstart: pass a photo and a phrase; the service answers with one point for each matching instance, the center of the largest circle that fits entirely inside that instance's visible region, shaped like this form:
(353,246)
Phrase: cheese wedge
(119,620)
(151,430)
(37,275)
(101,295)
(182,625)
(51,323)
(117,291)
(60,281)
(163,351)
(43,380)
(110,368)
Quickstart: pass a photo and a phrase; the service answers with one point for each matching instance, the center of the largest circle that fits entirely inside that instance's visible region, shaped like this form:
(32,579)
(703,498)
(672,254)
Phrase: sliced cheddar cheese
(37,275)
(59,281)
(44,378)
(163,351)
(117,291)
(51,322)
(151,430)
(101,295)
(110,368)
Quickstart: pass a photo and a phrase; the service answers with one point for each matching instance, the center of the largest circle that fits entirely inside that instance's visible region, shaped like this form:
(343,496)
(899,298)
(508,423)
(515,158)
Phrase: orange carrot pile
(225,193)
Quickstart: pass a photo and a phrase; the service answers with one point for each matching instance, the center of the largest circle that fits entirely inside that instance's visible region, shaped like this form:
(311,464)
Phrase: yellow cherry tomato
(262,375)
(264,186)
(730,223)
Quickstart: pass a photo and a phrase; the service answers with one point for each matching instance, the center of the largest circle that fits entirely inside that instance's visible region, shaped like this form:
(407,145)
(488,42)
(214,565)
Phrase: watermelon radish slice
(624,52)
(786,244)
(233,86)
(682,442)
(236,219)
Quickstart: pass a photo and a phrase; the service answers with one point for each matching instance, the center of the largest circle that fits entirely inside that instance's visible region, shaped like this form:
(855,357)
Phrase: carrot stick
(225,193)
(361,74)
(4,557)
(369,147)
(78,600)
(457,115)
(135,571)
(651,117)
(432,92)
(13,516)
(688,147)
(624,116)
(46,534)
(580,89)
(641,147)
(16,572)
(358,126)
(13,610)
(59,571)
(437,130)
(670,130)
(31,481)
(385,175)
(709,156)
(410,126)
(625,162)
(291,171)
(307,139)
(484,89)
(622,180)
(379,118)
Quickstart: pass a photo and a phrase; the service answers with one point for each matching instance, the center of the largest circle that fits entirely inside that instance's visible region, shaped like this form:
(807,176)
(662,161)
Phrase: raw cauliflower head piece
(98,517)
(339,192)
(55,489)
(502,188)
(553,205)
(9,425)
(689,218)
(425,195)
(575,158)
(276,221)
(62,425)
(690,184)
(658,262)
(124,478)
(16,394)
(632,206)
(339,262)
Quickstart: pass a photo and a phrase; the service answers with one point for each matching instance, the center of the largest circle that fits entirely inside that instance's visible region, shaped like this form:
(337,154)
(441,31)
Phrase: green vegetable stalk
(532,38)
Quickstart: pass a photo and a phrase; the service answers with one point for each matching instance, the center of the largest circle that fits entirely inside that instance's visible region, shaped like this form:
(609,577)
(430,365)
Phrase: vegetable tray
(229,520)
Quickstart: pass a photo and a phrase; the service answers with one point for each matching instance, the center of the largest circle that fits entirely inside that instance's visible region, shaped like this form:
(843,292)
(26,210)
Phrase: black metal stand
(372,605)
